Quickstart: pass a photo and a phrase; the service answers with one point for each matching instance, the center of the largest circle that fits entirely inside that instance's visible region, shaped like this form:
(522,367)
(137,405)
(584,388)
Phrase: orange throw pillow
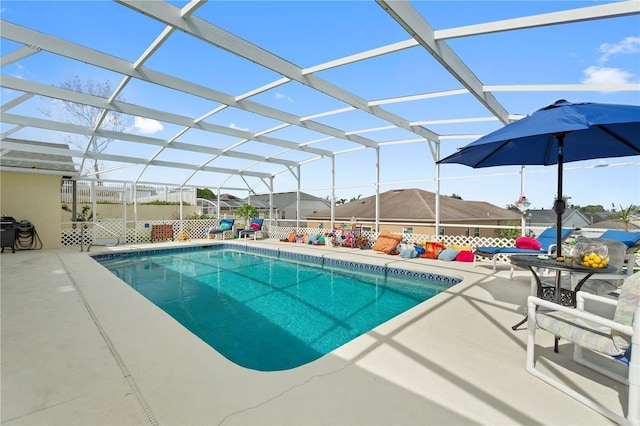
(387,242)
(432,250)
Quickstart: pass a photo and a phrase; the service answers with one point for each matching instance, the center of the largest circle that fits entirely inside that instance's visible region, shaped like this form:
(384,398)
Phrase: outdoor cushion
(225,226)
(448,254)
(589,335)
(432,250)
(408,253)
(528,243)
(628,303)
(465,256)
(292,237)
(255,226)
(628,238)
(387,242)
(312,239)
(459,247)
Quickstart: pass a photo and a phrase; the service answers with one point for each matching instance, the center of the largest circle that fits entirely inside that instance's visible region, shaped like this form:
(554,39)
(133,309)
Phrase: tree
(592,209)
(205,193)
(456,196)
(626,214)
(355,198)
(247,212)
(513,233)
(341,201)
(89,116)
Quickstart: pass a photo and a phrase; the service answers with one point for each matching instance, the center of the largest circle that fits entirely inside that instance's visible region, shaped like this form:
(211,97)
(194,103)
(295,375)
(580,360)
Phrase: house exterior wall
(36,198)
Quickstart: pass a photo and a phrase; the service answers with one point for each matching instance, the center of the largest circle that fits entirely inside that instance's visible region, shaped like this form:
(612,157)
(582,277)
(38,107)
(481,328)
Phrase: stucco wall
(36,198)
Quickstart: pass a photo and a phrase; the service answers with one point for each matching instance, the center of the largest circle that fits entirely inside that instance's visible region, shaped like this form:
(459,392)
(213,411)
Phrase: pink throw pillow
(465,256)
(255,226)
(528,243)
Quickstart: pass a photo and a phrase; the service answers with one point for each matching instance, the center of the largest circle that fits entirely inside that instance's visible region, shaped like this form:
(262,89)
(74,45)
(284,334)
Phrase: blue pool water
(265,311)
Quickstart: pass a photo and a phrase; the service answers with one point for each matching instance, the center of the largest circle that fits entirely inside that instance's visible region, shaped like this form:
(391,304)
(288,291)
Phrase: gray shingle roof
(417,205)
(32,158)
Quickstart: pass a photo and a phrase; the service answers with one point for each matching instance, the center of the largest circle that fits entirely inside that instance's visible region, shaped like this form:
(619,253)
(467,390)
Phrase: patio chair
(547,240)
(255,226)
(613,345)
(226,225)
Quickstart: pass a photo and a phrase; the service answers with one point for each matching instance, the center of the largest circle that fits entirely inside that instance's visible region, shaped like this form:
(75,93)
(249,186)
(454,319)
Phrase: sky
(308,33)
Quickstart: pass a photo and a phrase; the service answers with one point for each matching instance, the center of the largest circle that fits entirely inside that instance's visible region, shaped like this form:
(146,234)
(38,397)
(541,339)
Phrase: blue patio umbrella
(557,134)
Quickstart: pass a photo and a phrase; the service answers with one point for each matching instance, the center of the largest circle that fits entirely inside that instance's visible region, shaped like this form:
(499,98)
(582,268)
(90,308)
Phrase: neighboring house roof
(284,199)
(598,216)
(417,205)
(616,224)
(571,217)
(231,202)
(32,157)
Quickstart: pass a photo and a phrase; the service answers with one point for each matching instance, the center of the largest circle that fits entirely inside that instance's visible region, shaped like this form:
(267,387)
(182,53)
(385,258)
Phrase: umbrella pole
(559,205)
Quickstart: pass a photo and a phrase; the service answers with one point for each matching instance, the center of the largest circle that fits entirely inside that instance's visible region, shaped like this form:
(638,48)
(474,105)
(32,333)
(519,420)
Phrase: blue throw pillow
(225,226)
(448,254)
(408,253)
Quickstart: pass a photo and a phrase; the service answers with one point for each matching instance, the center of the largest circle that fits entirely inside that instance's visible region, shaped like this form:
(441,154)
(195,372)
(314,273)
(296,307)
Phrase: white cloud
(147,126)
(235,126)
(606,75)
(625,46)
(283,97)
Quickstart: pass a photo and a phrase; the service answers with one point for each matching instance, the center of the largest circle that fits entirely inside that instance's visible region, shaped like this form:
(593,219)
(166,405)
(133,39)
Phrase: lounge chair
(609,345)
(547,242)
(226,225)
(255,226)
(630,239)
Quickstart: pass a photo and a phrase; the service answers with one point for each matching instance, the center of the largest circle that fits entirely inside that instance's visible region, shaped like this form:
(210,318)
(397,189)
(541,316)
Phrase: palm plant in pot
(247,212)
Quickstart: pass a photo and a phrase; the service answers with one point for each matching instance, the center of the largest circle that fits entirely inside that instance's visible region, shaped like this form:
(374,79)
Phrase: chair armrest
(598,305)
(533,301)
(552,248)
(581,296)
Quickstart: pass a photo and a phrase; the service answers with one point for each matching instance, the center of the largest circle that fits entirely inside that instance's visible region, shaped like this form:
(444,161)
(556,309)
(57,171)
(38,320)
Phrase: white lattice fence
(141,233)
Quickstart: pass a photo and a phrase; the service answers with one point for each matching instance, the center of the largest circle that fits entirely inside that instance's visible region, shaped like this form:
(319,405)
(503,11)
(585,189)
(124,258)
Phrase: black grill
(8,233)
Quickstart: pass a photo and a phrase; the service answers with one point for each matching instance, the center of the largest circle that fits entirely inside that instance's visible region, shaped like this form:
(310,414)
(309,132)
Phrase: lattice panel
(197,230)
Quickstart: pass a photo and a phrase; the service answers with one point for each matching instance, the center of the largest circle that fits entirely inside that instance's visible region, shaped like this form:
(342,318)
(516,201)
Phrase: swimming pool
(269,310)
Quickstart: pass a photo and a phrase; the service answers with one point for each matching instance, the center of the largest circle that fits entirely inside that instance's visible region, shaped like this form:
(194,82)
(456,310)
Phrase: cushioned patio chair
(226,225)
(609,346)
(255,226)
(547,240)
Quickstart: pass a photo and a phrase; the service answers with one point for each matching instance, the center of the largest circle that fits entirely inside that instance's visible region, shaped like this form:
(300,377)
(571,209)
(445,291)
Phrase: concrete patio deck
(81,347)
